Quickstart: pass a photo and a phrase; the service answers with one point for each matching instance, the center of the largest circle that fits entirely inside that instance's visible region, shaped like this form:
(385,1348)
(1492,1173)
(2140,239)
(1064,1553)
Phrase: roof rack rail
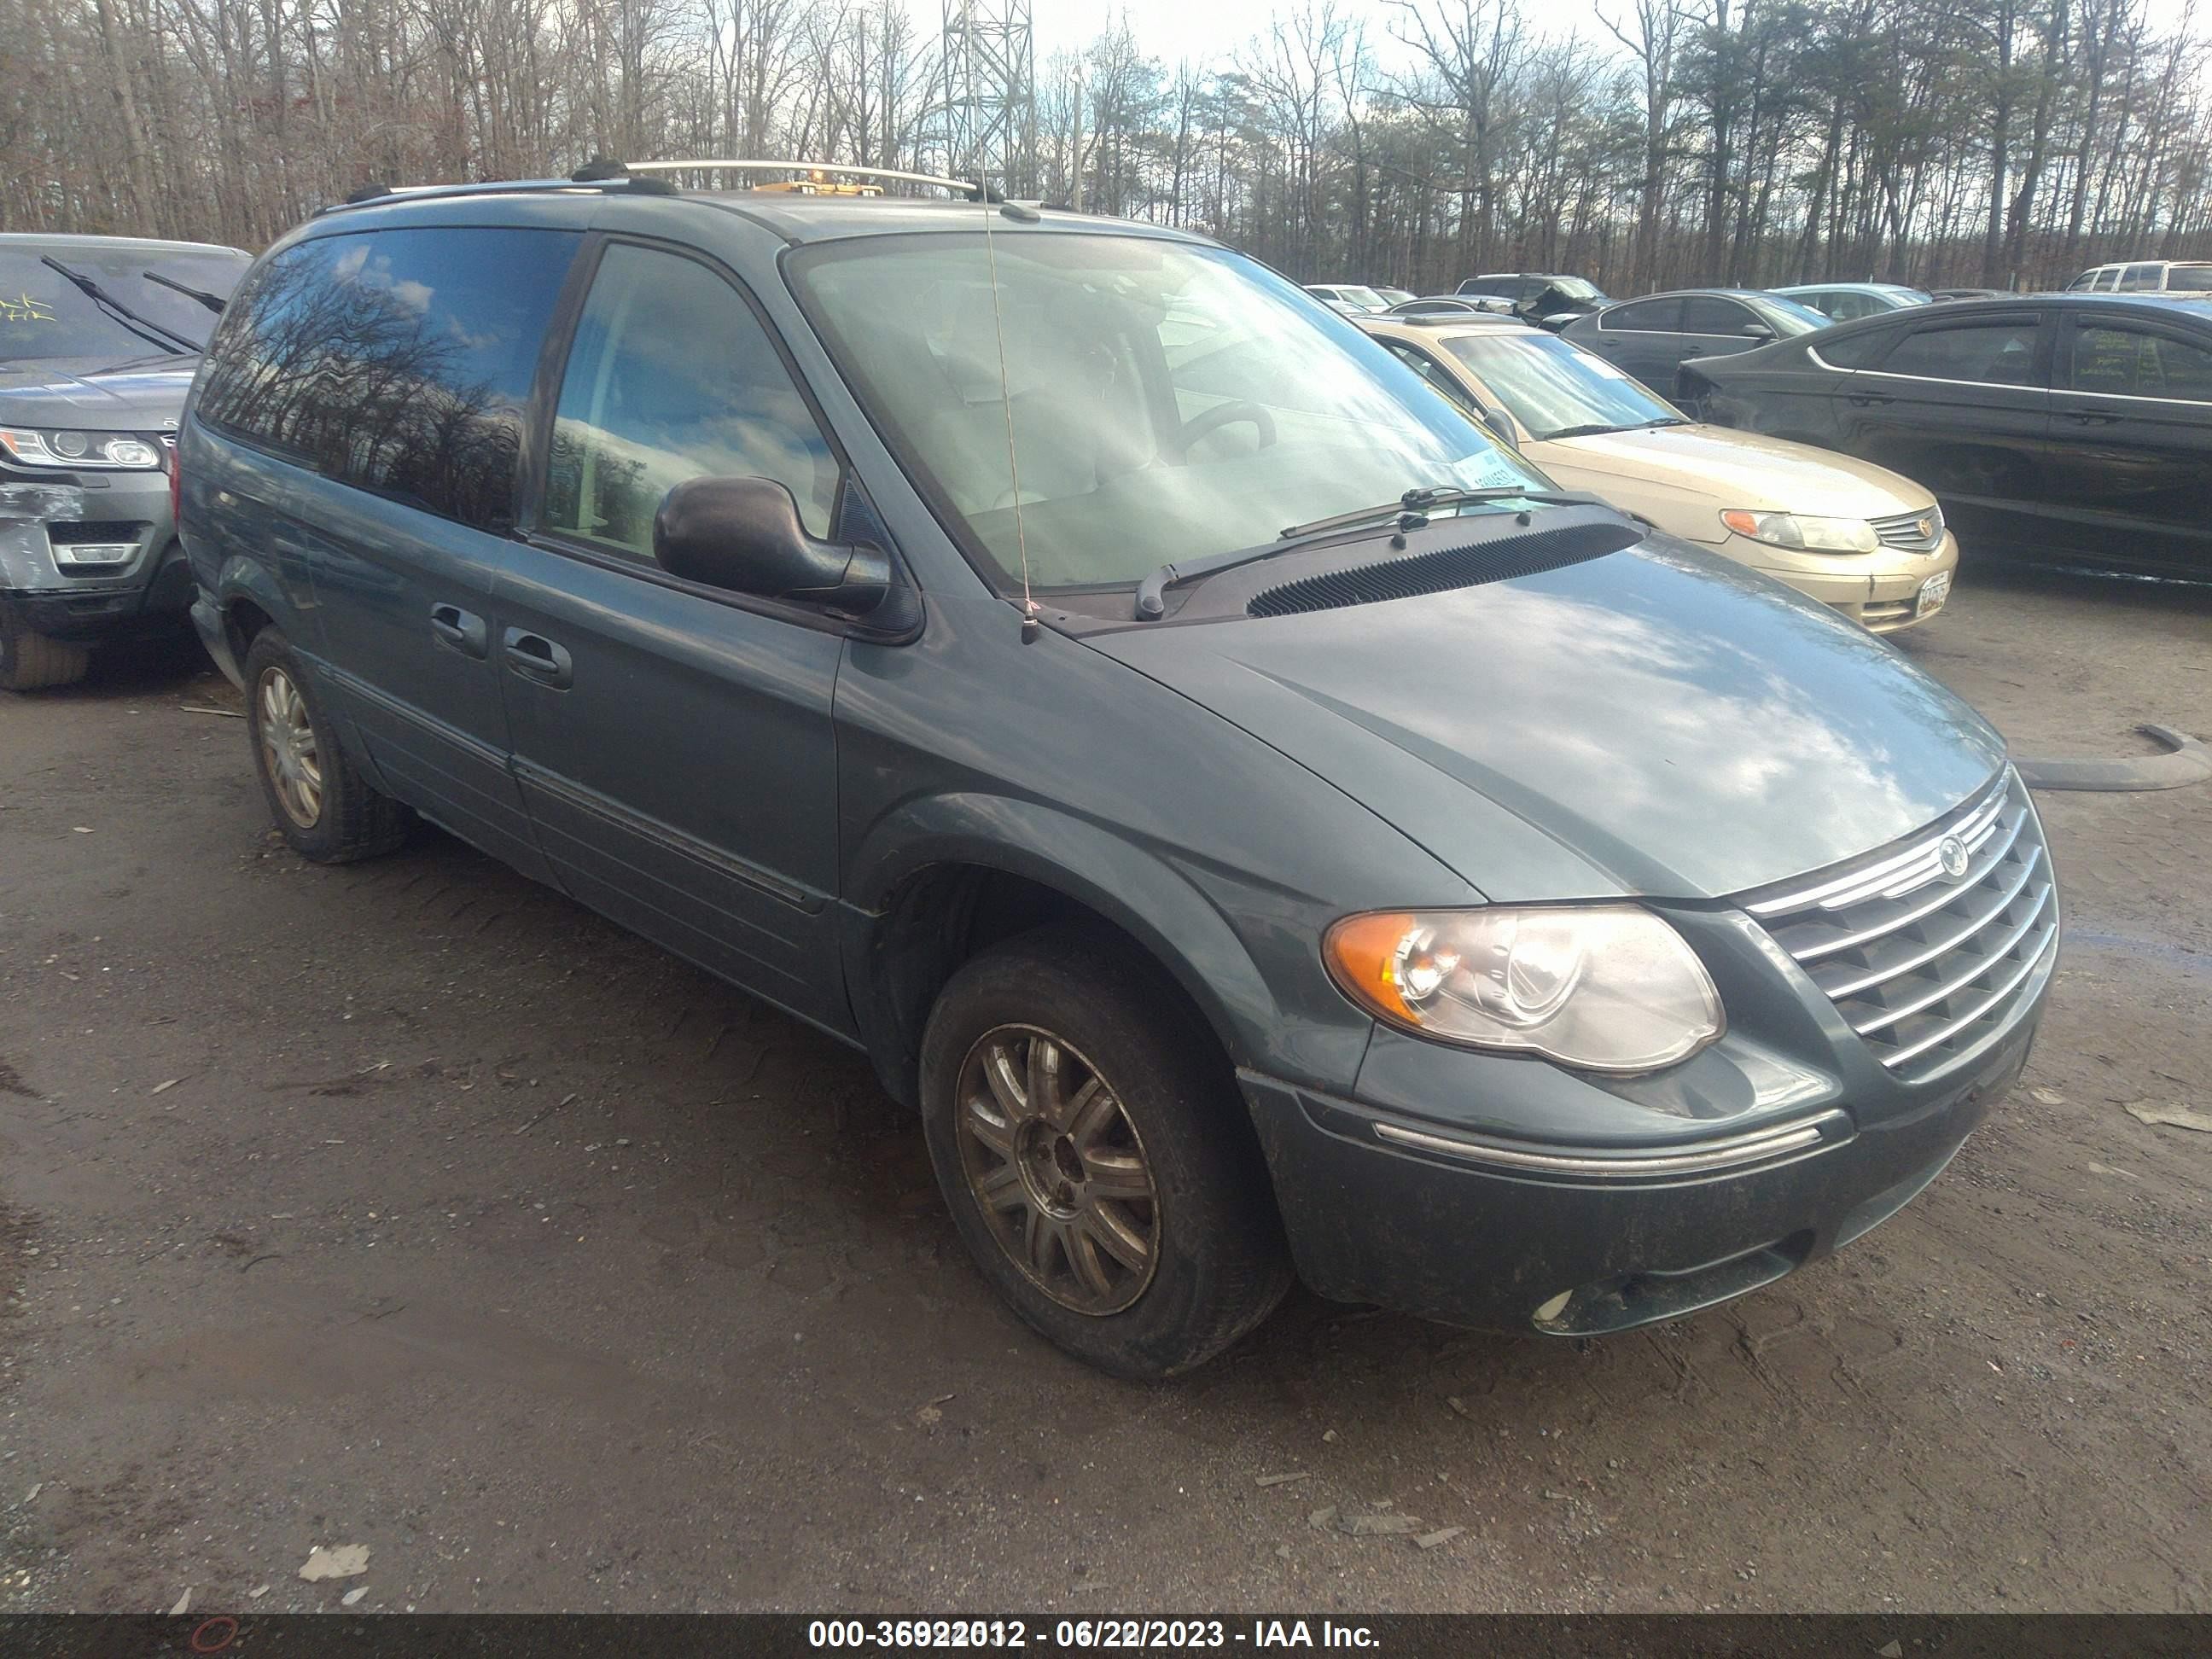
(967,187)
(372,195)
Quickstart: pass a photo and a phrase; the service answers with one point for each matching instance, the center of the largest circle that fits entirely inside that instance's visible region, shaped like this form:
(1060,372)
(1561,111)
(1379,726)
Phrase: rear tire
(30,661)
(317,797)
(1126,1215)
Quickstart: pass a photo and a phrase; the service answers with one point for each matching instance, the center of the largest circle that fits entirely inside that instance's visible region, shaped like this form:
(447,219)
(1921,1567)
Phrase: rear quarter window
(398,361)
(1861,351)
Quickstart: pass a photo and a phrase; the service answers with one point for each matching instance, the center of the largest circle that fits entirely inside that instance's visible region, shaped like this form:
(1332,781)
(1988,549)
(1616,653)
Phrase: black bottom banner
(774,1636)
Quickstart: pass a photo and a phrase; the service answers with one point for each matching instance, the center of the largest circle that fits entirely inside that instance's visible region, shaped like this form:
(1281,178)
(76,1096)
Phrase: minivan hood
(1660,722)
(145,397)
(1729,469)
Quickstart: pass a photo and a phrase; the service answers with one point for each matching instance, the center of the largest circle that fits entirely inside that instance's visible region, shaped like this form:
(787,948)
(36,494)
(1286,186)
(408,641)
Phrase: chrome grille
(1922,964)
(1905,532)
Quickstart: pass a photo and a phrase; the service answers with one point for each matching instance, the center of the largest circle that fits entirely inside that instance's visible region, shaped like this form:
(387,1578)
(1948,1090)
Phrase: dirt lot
(410,1206)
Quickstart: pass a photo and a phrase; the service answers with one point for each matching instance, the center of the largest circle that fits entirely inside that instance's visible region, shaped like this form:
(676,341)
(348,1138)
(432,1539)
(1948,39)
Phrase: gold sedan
(1854,536)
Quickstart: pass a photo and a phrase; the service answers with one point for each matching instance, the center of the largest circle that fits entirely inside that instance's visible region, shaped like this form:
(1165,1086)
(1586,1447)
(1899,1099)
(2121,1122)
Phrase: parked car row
(2049,432)
(2071,428)
(1864,540)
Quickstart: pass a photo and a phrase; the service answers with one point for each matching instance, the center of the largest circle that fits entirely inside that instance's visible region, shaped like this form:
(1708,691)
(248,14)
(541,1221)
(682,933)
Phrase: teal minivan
(1261,825)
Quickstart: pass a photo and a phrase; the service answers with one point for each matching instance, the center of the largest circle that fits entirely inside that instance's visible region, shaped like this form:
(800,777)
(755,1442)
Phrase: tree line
(1987,142)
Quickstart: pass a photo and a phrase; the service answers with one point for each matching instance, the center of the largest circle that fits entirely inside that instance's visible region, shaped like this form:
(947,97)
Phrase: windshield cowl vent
(1448,567)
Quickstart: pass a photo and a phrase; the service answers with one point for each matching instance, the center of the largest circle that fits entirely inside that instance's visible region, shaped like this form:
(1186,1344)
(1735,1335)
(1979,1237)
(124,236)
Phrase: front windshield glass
(1167,401)
(43,315)
(1575,287)
(1552,385)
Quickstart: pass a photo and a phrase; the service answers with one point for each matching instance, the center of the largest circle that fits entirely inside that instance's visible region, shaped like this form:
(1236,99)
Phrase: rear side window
(1996,351)
(2140,279)
(1704,314)
(1861,351)
(672,377)
(1644,316)
(398,361)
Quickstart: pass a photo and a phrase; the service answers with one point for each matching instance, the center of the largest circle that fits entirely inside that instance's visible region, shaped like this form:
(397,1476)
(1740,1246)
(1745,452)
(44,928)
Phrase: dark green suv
(1261,824)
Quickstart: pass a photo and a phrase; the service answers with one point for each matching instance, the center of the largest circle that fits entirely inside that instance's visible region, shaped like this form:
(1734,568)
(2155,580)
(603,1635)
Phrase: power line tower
(990,93)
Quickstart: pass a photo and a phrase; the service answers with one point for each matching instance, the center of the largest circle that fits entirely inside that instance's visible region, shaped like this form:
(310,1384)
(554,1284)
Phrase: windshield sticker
(24,309)
(1498,471)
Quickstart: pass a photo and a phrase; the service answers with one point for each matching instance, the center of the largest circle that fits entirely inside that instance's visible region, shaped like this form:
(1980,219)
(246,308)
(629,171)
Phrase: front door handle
(1868,399)
(2089,417)
(465,631)
(536,658)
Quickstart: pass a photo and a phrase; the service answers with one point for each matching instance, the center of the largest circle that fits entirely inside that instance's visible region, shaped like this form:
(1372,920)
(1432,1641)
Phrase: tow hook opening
(1622,1301)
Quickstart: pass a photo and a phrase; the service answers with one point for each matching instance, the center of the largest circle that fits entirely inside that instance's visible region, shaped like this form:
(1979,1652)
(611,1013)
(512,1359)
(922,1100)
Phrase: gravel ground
(409,1206)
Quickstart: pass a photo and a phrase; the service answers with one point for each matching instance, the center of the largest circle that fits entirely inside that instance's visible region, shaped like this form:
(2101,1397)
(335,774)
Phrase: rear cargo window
(398,361)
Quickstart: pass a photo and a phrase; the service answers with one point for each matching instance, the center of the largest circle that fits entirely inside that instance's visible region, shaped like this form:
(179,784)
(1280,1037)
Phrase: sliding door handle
(535,657)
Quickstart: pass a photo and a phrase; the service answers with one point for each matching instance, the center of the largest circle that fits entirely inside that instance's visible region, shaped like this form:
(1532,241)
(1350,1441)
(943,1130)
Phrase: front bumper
(1445,1227)
(1880,590)
(145,591)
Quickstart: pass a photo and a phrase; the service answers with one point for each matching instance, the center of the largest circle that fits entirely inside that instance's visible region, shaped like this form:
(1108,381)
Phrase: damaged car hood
(1657,721)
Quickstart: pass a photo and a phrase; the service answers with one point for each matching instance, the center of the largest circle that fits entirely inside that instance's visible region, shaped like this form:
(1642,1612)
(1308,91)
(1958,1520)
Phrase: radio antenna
(1006,395)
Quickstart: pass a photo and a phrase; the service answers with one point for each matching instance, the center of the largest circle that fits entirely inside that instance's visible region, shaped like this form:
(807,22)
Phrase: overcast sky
(1208,31)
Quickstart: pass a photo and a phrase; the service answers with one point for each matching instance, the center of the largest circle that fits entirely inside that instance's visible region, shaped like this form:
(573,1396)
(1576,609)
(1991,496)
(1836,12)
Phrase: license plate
(1933,592)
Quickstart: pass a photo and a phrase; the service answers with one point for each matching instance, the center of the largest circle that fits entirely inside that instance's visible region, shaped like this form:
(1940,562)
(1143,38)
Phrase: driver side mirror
(1756,332)
(744,536)
(1495,423)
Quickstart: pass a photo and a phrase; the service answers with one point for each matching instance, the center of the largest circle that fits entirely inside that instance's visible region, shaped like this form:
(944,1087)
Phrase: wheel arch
(248,599)
(953,876)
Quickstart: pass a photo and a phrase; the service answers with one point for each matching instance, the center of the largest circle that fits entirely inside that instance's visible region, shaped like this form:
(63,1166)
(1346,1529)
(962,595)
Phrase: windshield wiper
(142,327)
(1592,429)
(1410,510)
(214,302)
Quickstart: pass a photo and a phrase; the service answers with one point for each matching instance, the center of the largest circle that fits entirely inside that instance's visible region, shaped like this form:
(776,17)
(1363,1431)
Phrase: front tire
(317,797)
(1088,1137)
(30,661)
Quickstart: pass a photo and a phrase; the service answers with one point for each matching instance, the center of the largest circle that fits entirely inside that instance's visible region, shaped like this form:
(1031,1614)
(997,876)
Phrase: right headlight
(1802,532)
(1599,987)
(69,447)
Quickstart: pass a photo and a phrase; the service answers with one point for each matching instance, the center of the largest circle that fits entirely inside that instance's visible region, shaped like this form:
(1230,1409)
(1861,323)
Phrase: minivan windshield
(44,316)
(1167,401)
(1553,387)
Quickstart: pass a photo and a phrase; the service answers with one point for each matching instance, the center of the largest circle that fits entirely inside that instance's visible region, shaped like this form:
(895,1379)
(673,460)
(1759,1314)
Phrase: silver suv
(2146,276)
(99,339)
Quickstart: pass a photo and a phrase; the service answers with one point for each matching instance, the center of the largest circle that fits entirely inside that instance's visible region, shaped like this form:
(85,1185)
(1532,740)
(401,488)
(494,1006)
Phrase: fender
(1163,904)
(258,581)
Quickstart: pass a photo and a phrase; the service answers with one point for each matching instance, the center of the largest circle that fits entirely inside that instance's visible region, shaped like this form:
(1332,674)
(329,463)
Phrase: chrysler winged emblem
(1951,854)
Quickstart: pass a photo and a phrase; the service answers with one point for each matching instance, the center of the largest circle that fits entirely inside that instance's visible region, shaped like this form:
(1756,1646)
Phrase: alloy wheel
(1057,1169)
(289,747)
